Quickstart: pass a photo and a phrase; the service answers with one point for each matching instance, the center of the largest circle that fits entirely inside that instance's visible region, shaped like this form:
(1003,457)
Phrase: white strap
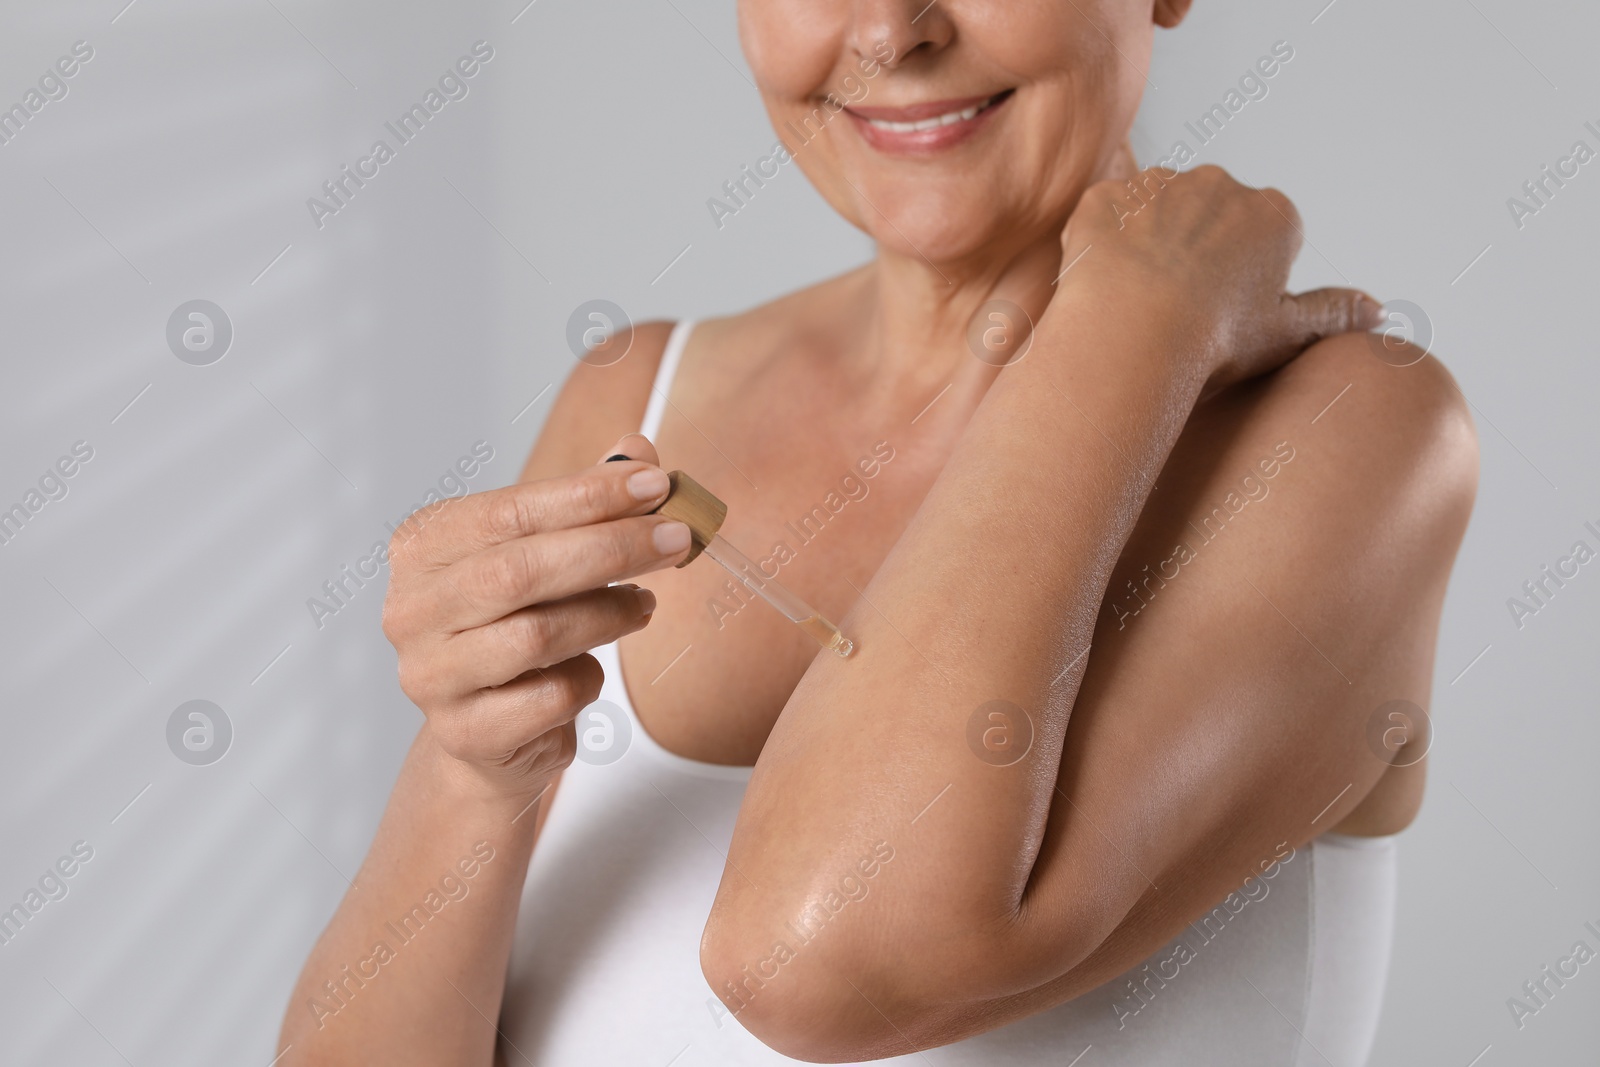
(670,357)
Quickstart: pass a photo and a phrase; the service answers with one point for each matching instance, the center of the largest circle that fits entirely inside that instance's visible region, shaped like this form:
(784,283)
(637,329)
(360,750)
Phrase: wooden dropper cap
(697,508)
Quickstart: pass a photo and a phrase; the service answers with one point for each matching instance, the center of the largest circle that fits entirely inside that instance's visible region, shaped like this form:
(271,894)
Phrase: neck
(917,312)
(913,317)
(922,310)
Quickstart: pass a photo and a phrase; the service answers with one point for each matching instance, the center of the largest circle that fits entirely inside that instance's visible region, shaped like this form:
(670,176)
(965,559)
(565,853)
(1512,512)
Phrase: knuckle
(419,521)
(1151,180)
(394,621)
(417,681)
(396,544)
(591,494)
(408,535)
(1284,207)
(400,540)
(565,746)
(555,748)
(506,515)
(559,692)
(533,631)
(511,572)
(572,686)
(623,545)
(587,676)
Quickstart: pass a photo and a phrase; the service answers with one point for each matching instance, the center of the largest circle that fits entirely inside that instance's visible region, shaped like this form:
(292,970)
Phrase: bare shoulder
(1299,543)
(601,400)
(605,398)
(1401,418)
(1372,468)
(793,322)
(1393,458)
(1391,453)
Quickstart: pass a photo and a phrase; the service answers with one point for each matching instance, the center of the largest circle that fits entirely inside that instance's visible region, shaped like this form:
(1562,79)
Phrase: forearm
(952,621)
(494,600)
(411,969)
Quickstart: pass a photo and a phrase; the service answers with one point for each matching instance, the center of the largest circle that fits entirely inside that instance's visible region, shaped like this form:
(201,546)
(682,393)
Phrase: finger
(1309,317)
(532,570)
(493,725)
(457,528)
(543,635)
(633,446)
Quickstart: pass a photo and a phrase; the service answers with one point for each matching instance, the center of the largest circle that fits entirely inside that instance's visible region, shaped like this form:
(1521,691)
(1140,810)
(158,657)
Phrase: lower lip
(926,142)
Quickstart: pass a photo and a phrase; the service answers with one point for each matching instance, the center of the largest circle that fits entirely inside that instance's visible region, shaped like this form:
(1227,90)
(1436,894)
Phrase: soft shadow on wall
(218,485)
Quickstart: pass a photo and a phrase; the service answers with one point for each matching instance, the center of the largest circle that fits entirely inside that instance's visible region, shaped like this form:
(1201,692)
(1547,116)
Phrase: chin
(942,226)
(916,211)
(948,202)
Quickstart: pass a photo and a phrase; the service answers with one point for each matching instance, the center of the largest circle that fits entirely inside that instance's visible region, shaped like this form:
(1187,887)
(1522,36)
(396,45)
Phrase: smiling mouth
(948,118)
(925,128)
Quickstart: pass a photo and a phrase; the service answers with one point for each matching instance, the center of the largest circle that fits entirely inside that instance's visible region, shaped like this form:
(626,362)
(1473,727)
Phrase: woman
(1130,594)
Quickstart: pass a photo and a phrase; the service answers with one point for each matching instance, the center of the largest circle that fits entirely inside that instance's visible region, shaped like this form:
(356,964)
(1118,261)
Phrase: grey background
(429,314)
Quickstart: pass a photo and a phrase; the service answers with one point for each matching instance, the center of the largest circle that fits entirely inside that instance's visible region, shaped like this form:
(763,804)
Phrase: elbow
(813,1005)
(794,1007)
(875,985)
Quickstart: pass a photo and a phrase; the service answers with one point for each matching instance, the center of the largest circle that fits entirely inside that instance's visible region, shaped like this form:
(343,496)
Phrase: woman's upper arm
(1224,707)
(1229,712)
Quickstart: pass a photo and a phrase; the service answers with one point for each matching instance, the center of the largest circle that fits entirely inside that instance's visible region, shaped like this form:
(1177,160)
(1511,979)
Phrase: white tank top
(605,969)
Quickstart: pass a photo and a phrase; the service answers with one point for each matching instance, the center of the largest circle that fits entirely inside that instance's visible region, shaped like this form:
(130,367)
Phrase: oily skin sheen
(1173,751)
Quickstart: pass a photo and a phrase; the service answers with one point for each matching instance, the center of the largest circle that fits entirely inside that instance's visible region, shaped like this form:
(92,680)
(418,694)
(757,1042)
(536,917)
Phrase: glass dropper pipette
(697,507)
(794,609)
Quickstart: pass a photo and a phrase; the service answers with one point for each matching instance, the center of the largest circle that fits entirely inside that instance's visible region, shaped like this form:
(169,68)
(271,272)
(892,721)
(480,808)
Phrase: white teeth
(928,124)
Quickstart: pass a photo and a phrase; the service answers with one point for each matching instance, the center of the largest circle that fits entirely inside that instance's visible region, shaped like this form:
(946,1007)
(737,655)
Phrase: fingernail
(647,601)
(648,483)
(670,538)
(1375,314)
